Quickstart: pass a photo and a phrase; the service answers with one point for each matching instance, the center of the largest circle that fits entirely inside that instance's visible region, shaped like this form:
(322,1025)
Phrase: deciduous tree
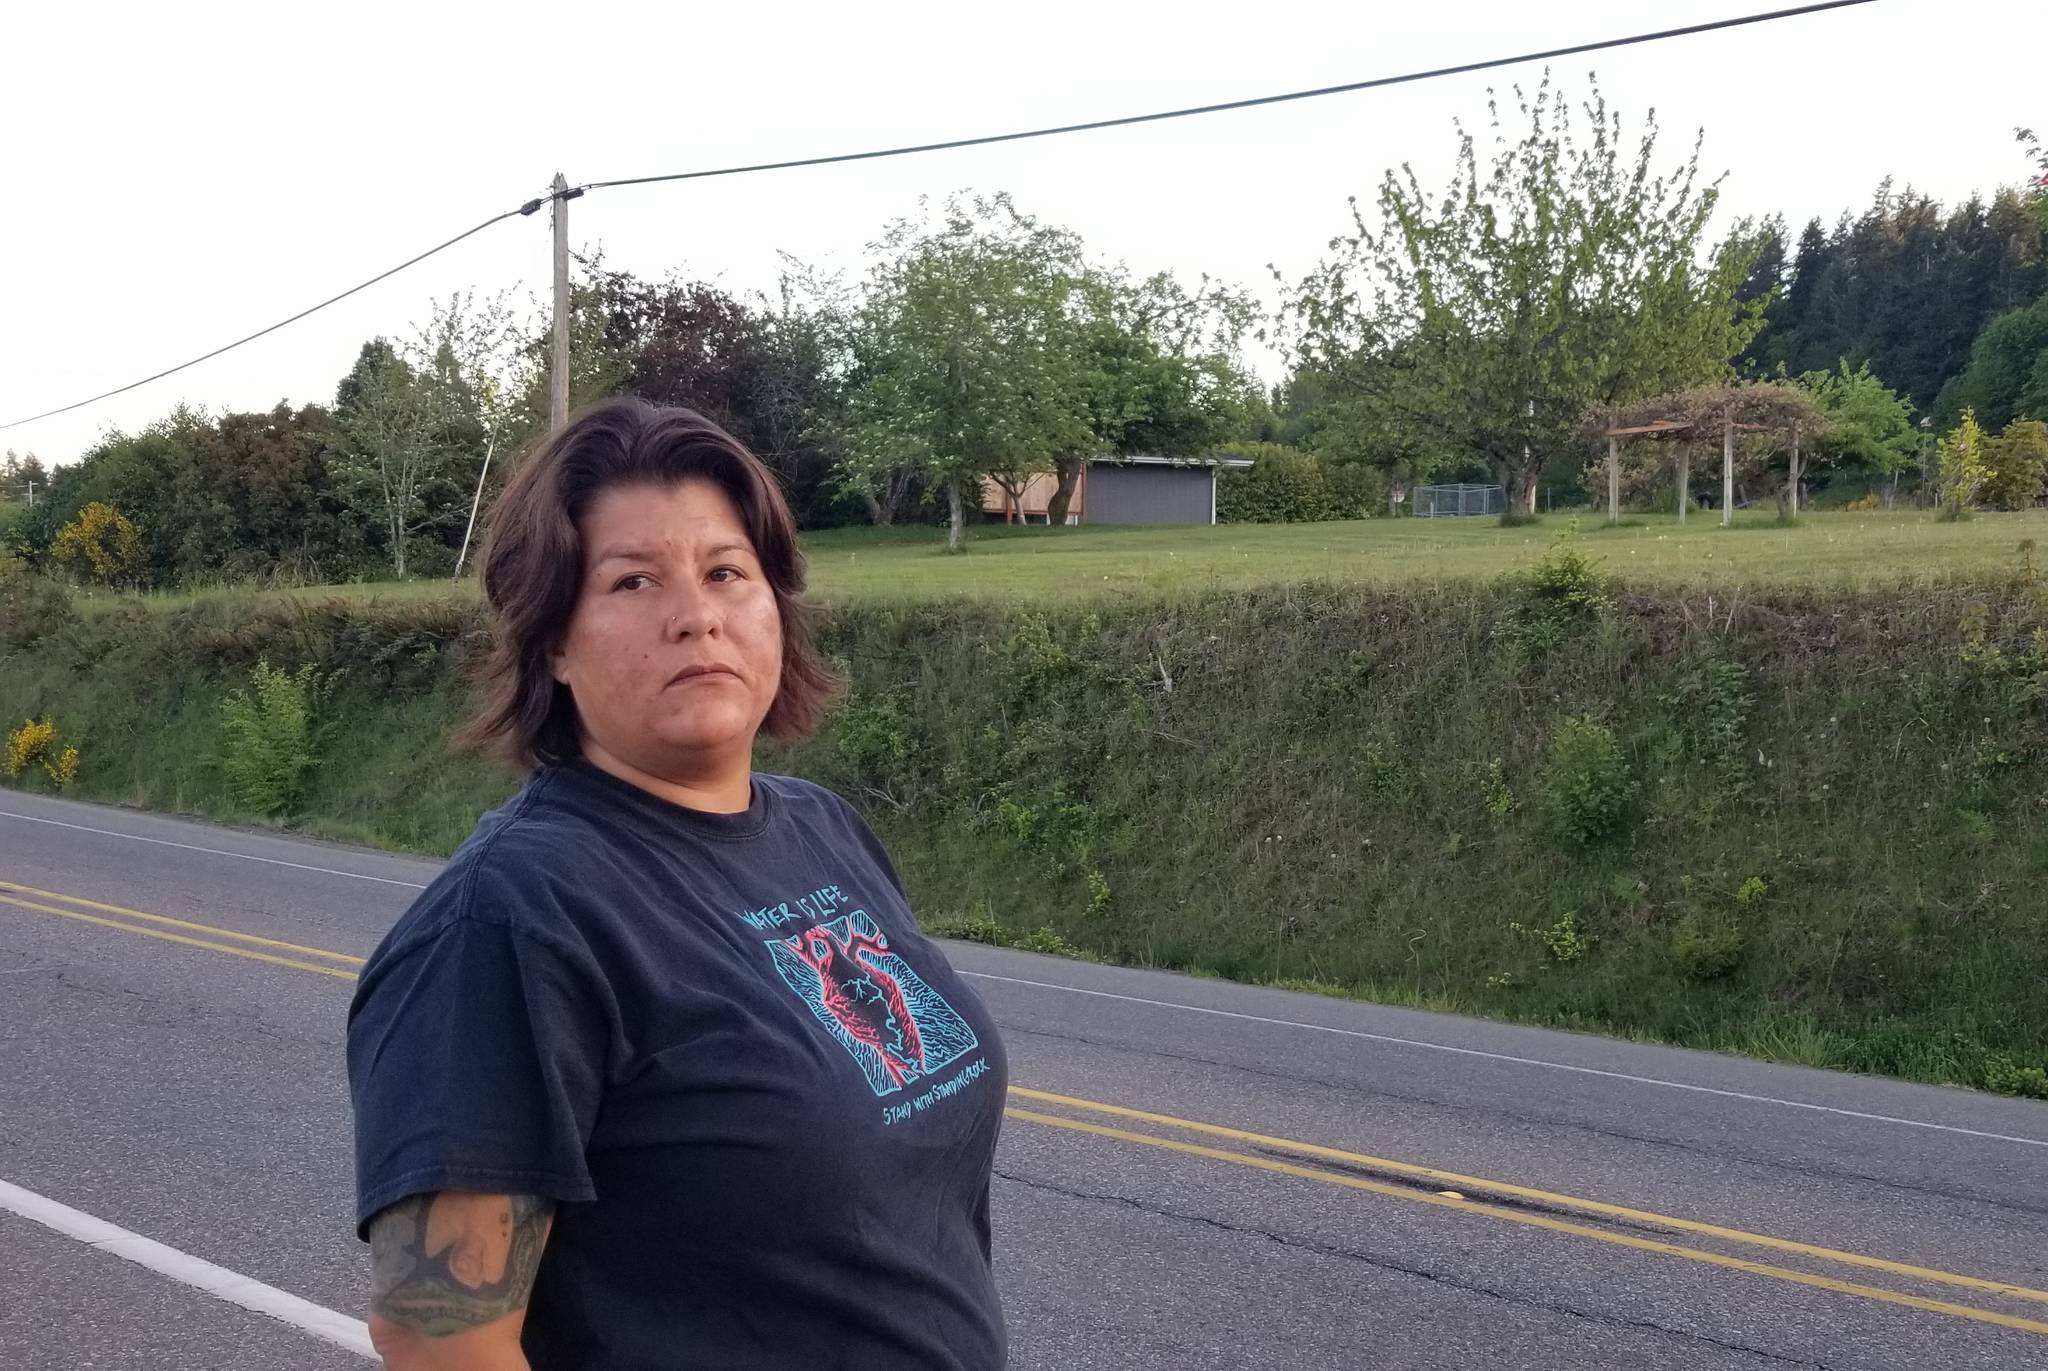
(962,368)
(1559,274)
(1869,425)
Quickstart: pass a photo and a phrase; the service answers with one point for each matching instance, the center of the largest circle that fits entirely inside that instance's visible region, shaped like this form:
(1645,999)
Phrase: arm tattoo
(453,1260)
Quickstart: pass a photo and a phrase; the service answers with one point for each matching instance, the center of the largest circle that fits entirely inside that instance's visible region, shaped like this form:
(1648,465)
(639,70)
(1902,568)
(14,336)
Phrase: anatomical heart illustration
(897,1027)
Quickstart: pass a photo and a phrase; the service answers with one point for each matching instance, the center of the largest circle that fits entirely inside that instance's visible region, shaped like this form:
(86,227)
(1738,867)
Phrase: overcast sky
(180,175)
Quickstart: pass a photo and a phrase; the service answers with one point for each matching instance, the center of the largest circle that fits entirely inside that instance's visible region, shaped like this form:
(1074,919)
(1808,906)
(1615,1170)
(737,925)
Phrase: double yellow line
(1497,1200)
(1406,1181)
(317,960)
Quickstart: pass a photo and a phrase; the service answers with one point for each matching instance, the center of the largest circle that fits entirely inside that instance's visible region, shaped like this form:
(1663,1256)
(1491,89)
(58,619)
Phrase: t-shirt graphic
(897,1027)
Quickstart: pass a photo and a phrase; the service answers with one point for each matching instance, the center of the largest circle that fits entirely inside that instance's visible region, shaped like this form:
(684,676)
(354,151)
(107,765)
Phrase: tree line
(1487,329)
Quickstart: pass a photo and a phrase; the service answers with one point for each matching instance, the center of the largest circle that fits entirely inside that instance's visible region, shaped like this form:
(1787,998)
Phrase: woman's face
(674,651)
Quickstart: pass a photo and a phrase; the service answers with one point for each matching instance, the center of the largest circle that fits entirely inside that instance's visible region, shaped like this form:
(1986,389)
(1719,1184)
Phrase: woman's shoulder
(808,799)
(519,866)
(797,790)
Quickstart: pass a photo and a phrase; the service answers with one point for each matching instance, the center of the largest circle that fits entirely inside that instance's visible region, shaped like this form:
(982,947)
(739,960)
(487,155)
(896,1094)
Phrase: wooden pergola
(1761,407)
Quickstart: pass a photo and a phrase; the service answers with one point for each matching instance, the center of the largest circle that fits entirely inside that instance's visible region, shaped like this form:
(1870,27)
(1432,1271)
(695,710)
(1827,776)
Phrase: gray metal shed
(1149,489)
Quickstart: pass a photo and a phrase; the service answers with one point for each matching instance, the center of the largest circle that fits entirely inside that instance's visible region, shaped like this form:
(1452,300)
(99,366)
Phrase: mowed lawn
(1821,548)
(1825,549)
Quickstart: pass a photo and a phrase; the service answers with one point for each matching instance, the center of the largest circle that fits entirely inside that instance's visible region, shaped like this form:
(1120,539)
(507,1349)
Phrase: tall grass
(1809,824)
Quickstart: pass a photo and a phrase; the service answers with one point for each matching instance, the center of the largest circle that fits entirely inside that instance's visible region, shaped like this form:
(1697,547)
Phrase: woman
(659,1071)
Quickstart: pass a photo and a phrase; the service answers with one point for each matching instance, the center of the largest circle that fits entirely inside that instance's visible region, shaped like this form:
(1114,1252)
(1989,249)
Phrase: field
(1824,551)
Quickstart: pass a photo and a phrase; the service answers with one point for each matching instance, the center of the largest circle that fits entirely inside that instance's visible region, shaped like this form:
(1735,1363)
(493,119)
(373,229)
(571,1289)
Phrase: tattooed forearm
(450,1261)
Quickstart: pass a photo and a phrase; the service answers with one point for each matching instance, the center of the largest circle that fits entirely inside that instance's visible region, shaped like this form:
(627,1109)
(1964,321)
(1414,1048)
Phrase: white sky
(180,175)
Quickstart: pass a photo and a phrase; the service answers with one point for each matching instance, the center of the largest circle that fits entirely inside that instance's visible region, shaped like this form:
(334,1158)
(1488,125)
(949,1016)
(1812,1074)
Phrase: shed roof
(1155,459)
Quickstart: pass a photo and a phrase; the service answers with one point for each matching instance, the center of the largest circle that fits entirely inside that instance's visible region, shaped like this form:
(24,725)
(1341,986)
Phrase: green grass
(897,564)
(1830,817)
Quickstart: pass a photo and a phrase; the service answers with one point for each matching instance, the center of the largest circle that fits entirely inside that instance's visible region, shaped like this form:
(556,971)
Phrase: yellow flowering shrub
(63,768)
(29,744)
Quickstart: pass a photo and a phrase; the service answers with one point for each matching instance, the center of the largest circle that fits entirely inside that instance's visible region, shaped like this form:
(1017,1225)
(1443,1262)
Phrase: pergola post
(1613,479)
(1728,467)
(1684,477)
(1795,469)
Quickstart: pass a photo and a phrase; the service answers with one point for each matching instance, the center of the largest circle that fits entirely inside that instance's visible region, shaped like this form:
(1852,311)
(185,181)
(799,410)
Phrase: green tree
(390,459)
(1869,424)
(1905,285)
(18,471)
(1963,472)
(471,359)
(1156,368)
(961,365)
(1560,276)
(2036,190)
(768,371)
(2017,463)
(2007,374)
(420,422)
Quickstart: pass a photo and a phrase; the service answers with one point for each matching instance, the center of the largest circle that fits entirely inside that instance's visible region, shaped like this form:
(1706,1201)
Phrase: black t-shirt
(765,1104)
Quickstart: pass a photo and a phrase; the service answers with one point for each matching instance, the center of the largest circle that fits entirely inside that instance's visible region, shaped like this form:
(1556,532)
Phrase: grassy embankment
(1793,802)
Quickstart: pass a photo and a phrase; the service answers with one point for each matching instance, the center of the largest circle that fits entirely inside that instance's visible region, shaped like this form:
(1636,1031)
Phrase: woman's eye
(633,582)
(725,573)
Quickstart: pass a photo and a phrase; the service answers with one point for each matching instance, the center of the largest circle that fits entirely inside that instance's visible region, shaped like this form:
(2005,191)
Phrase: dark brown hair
(533,570)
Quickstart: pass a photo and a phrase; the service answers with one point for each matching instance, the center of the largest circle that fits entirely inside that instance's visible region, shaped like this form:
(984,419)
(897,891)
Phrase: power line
(1219,107)
(527,208)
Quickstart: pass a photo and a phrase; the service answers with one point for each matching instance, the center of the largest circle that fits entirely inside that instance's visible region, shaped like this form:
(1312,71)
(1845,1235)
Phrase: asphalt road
(1193,1175)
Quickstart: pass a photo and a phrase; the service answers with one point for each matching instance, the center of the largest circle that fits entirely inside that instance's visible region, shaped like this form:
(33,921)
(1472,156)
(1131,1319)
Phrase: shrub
(1356,490)
(269,738)
(966,928)
(63,768)
(1563,941)
(1493,785)
(102,545)
(1047,940)
(32,608)
(1389,779)
(1863,504)
(2016,464)
(1585,786)
(2007,1077)
(29,744)
(878,738)
(1708,946)
(1285,485)
(1100,897)
(1563,590)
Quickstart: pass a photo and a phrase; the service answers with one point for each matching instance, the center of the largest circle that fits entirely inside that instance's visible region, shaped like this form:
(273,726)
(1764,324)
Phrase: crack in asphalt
(1622,1135)
(1404,1269)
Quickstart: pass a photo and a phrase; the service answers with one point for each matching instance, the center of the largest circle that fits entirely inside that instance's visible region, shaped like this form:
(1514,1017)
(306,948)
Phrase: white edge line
(209,851)
(1520,1061)
(217,1281)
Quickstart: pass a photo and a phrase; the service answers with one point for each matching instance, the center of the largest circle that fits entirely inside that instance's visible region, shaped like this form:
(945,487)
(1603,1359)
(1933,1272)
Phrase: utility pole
(558,374)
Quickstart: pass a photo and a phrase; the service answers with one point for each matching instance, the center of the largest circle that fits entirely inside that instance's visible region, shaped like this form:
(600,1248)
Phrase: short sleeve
(476,1061)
